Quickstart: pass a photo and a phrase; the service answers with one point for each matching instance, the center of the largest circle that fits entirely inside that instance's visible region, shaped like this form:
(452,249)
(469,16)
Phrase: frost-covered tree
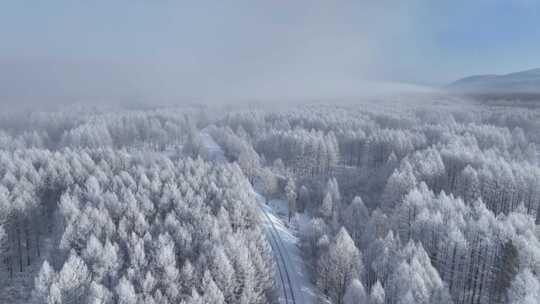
(126,292)
(525,288)
(73,280)
(290,190)
(377,295)
(415,280)
(212,293)
(399,184)
(355,293)
(340,266)
(355,218)
(43,282)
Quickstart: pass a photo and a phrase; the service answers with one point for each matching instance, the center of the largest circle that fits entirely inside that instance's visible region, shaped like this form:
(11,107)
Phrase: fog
(207,51)
(167,52)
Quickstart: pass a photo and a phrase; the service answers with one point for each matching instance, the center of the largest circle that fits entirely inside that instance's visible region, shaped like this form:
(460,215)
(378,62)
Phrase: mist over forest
(270,152)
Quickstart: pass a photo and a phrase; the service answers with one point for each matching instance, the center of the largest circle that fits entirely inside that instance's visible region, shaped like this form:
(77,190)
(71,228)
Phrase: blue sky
(168,48)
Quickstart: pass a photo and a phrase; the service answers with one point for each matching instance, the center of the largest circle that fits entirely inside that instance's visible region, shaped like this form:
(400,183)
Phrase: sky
(77,50)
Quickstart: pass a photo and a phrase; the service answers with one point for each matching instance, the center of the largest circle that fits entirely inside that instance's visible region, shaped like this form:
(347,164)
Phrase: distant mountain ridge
(519,82)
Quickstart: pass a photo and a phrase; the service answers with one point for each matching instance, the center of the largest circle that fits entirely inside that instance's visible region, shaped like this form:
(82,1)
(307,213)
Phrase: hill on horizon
(518,82)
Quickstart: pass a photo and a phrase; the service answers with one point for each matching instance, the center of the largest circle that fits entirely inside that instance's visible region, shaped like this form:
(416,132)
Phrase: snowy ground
(291,276)
(214,151)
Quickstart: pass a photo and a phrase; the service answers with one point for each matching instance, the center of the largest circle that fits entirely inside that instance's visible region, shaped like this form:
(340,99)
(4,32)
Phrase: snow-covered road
(291,276)
(213,150)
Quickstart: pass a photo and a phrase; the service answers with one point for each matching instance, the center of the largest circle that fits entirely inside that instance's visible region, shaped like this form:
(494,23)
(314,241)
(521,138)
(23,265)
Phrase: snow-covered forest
(392,203)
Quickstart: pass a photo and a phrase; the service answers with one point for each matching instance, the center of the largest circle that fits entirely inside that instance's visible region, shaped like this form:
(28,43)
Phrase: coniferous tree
(508,266)
(355,293)
(290,190)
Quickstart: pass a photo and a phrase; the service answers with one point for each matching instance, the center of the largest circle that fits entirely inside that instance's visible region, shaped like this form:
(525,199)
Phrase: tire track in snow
(272,231)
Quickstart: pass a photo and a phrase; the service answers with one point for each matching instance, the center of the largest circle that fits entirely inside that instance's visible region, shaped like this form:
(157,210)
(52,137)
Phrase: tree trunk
(8,256)
(19,247)
(452,266)
(38,250)
(475,281)
(27,241)
(482,274)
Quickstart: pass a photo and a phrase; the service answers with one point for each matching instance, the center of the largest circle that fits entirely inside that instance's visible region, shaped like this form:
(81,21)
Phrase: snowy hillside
(519,82)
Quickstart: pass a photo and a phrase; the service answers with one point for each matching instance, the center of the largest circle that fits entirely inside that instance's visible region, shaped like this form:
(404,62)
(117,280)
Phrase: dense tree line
(98,127)
(407,203)
(92,223)
(451,199)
